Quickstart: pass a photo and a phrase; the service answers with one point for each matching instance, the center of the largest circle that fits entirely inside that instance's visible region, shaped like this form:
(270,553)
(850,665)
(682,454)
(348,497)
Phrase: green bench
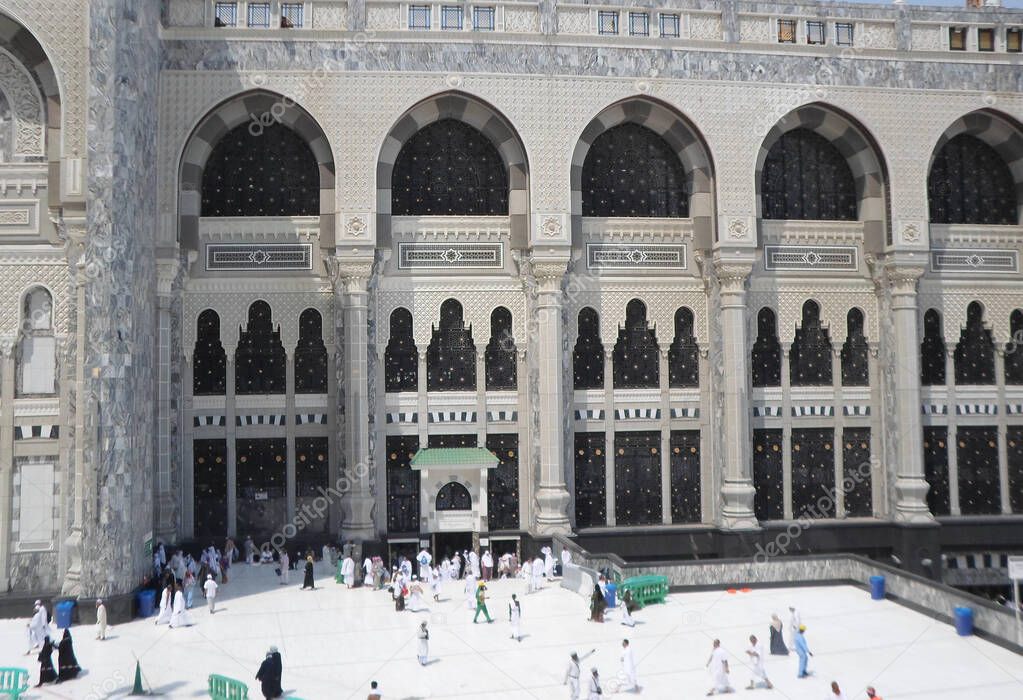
(13,682)
(224,688)
(646,589)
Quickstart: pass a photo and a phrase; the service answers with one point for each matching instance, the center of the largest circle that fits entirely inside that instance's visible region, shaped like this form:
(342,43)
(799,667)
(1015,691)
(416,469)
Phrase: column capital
(901,277)
(732,275)
(549,270)
(7,345)
(166,272)
(349,273)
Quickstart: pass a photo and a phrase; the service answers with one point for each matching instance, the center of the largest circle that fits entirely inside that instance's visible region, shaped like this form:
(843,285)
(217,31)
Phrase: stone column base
(552,511)
(737,506)
(911,507)
(357,518)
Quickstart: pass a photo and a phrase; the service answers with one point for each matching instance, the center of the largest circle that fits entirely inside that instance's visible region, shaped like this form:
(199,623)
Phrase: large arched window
(631,171)
(1014,349)
(37,350)
(806,177)
(401,359)
(636,356)
(810,358)
(451,357)
(260,358)
(209,360)
(970,183)
(268,171)
(855,370)
(500,354)
(975,351)
(765,362)
(449,168)
(310,355)
(684,354)
(588,354)
(932,351)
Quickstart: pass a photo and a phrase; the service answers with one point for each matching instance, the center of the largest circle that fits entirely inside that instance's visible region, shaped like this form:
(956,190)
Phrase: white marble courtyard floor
(335,641)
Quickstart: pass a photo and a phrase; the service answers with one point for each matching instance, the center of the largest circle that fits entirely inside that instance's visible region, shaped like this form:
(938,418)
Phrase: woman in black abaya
(308,581)
(46,672)
(269,674)
(67,664)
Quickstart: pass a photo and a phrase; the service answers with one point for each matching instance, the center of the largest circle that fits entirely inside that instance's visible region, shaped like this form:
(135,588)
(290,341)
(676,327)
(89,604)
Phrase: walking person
(629,667)
(487,562)
(795,620)
(47,674)
(166,601)
(515,618)
(189,586)
(756,654)
(308,582)
(210,589)
(38,627)
(594,690)
(627,606)
(180,617)
(597,605)
(778,647)
(572,674)
(718,665)
(481,603)
(872,693)
(269,674)
(101,620)
(802,651)
(67,664)
(374,691)
(424,643)
(285,564)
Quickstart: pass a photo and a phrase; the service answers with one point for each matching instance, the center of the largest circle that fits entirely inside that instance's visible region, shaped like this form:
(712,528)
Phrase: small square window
(483,19)
(259,14)
(844,34)
(419,17)
(607,22)
(786,31)
(292,14)
(451,17)
(1014,40)
(225,14)
(639,24)
(815,33)
(957,38)
(669,25)
(986,39)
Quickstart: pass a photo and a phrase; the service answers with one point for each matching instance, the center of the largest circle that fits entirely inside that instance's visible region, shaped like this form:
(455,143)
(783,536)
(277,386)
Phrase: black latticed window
(449,168)
(684,354)
(936,469)
(810,356)
(451,357)
(638,478)
(813,473)
(856,472)
(261,467)
(932,351)
(590,484)
(970,183)
(453,496)
(265,171)
(463,440)
(1014,349)
(209,360)
(310,355)
(503,483)
(588,354)
(402,484)
(312,460)
(209,473)
(631,171)
(977,459)
(500,353)
(765,361)
(855,366)
(685,476)
(636,356)
(975,352)
(1014,448)
(260,358)
(769,500)
(805,177)
(401,359)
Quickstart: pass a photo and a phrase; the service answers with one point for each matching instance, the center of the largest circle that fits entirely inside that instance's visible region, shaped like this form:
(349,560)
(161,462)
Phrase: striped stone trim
(977,560)
(856,147)
(479,115)
(1014,409)
(931,409)
(807,411)
(310,419)
(502,416)
(681,412)
(679,133)
(767,411)
(997,131)
(452,416)
(637,413)
(24,47)
(272,419)
(976,409)
(217,123)
(856,410)
(403,417)
(202,421)
(44,432)
(590,414)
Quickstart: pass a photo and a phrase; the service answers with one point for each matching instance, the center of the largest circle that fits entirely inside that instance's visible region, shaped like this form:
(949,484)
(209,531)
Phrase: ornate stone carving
(355,226)
(26,104)
(7,345)
(551,226)
(911,232)
(738,230)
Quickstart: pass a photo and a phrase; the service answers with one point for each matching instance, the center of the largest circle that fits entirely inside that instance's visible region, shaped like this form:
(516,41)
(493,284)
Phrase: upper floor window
(310,355)
(607,22)
(419,17)
(815,33)
(810,355)
(225,14)
(209,360)
(639,24)
(974,358)
(292,15)
(957,38)
(786,31)
(670,25)
(483,19)
(985,39)
(765,361)
(451,356)
(1014,40)
(636,355)
(970,183)
(844,33)
(260,359)
(401,358)
(451,17)
(37,349)
(932,351)
(258,15)
(588,353)
(806,177)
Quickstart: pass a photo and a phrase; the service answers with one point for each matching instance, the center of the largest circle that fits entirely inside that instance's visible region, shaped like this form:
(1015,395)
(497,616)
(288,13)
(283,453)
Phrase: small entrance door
(447,543)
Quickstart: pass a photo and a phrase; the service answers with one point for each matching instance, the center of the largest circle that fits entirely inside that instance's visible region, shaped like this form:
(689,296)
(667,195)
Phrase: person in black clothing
(67,664)
(46,672)
(269,674)
(308,581)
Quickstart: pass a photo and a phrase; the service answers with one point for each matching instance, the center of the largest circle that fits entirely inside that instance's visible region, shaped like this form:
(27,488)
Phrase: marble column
(1003,444)
(167,525)
(737,484)
(610,423)
(665,432)
(953,427)
(786,431)
(552,496)
(8,344)
(838,441)
(910,481)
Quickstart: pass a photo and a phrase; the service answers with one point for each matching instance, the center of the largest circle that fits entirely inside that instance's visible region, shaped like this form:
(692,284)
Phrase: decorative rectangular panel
(36,520)
(450,255)
(974,260)
(635,256)
(259,256)
(816,257)
(19,217)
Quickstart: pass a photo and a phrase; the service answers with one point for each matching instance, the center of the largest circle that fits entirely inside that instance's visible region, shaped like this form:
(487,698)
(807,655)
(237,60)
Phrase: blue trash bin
(146,602)
(64,611)
(963,618)
(609,597)
(877,587)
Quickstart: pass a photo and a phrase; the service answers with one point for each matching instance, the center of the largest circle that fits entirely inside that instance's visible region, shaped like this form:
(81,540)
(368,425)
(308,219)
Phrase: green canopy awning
(454,458)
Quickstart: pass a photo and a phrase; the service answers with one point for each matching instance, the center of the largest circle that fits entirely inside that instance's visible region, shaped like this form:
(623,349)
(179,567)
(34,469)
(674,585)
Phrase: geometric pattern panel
(685,476)
(769,500)
(503,483)
(634,256)
(977,460)
(450,255)
(590,484)
(259,256)
(856,471)
(261,467)
(637,478)
(813,473)
(311,474)
(209,476)
(1014,447)
(936,469)
(793,257)
(974,260)
(402,484)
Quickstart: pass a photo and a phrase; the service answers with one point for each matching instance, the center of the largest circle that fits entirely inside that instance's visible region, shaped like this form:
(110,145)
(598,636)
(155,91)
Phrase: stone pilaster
(166,512)
(8,343)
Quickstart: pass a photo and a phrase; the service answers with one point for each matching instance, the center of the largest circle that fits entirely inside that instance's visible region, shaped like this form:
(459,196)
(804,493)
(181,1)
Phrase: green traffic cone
(137,688)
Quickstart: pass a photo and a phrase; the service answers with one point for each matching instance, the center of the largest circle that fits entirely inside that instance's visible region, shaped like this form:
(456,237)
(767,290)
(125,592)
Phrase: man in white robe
(537,572)
(348,571)
(755,652)
(367,571)
(566,558)
(487,563)
(424,643)
(166,606)
(594,689)
(572,674)
(180,617)
(548,563)
(38,629)
(628,667)
(210,587)
(795,620)
(285,566)
(474,563)
(470,590)
(425,561)
(515,618)
(101,620)
(435,581)
(718,665)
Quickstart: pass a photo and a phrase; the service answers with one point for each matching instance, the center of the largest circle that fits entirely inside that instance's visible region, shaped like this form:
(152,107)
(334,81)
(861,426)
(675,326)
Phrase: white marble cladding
(32,408)
(451,400)
(763,28)
(311,400)
(792,232)
(637,229)
(316,14)
(476,17)
(447,228)
(278,229)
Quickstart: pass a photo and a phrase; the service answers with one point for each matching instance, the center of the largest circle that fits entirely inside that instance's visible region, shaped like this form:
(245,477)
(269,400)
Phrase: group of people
(39,638)
(626,679)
